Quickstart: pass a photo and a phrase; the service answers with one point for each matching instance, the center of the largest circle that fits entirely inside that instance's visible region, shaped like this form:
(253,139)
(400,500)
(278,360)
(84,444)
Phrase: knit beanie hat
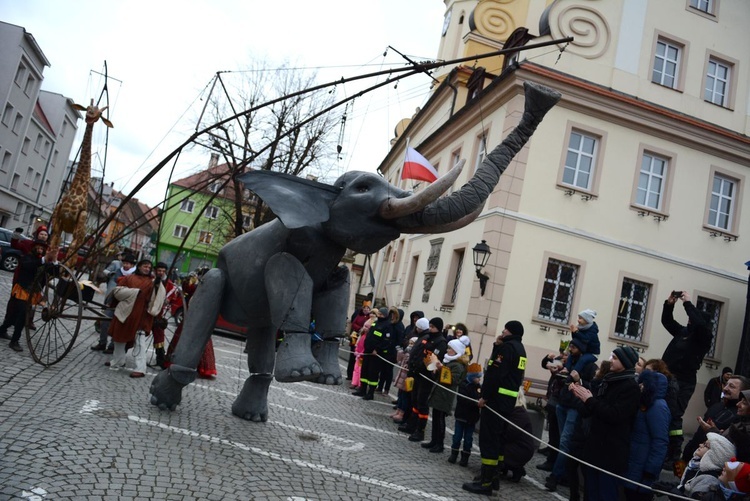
(515,327)
(466,340)
(457,346)
(437,322)
(162,265)
(366,304)
(627,356)
(383,311)
(738,476)
(588,315)
(413,340)
(422,324)
(720,450)
(726,370)
(474,371)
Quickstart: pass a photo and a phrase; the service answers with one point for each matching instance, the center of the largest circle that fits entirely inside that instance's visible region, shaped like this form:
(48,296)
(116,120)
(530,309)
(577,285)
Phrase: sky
(162,54)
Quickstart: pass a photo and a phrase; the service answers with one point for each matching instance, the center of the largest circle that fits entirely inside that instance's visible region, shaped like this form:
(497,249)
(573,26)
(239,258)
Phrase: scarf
(125,272)
(612,377)
(450,358)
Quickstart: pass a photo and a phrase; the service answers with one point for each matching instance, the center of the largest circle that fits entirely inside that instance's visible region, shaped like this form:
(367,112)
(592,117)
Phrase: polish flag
(417,167)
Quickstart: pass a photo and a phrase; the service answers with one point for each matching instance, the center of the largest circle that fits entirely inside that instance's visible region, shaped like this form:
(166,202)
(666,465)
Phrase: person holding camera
(683,357)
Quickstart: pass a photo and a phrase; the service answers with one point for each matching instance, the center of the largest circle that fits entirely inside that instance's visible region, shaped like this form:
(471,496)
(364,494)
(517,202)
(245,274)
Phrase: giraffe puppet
(71,211)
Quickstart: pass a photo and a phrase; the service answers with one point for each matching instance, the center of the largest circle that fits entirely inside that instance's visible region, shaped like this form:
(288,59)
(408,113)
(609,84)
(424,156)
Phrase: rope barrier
(570,456)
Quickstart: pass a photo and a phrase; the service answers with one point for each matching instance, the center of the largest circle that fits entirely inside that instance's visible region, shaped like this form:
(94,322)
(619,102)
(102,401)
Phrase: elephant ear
(296,201)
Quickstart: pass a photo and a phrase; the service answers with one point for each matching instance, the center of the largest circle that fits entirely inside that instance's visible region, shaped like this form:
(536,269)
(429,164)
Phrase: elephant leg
(290,289)
(166,390)
(252,402)
(331,324)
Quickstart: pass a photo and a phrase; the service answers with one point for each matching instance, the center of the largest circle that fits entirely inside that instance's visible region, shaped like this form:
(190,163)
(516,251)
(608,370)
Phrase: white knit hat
(720,450)
(588,315)
(457,346)
(465,340)
(423,324)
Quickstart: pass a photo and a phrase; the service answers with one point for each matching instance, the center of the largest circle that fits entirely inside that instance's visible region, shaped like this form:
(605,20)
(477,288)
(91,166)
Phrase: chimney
(214,160)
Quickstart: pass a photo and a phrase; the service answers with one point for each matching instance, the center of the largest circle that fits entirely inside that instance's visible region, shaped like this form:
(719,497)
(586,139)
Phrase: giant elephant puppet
(282,274)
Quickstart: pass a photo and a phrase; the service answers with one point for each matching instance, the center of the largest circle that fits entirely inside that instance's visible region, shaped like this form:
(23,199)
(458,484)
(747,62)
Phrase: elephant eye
(363,188)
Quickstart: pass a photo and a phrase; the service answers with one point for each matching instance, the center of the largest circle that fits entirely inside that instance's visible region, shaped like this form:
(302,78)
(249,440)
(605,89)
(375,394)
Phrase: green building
(189,201)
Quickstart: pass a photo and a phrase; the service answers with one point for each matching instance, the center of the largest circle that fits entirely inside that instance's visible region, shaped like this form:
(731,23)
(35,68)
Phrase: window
(579,161)
(187,206)
(246,221)
(410,279)
(214,187)
(20,74)
(205,237)
(211,212)
(721,206)
(37,180)
(8,114)
(5,165)
(26,146)
(29,173)
(632,309)
(30,85)
(54,158)
(38,142)
(705,6)
(718,82)
(650,191)
(17,123)
(712,308)
(481,150)
(396,259)
(19,211)
(45,190)
(180,231)
(14,182)
(558,287)
(454,273)
(45,151)
(666,64)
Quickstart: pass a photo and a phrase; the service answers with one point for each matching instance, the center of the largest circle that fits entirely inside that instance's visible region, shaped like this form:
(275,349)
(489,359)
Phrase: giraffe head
(93,113)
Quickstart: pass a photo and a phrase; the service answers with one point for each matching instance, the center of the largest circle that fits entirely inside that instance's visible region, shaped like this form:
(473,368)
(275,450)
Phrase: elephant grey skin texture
(282,274)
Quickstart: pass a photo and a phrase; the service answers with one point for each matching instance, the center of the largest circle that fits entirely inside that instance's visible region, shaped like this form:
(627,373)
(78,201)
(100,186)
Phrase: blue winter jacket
(650,436)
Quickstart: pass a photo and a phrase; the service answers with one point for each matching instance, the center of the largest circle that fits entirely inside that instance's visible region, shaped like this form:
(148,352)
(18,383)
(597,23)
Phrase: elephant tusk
(393,208)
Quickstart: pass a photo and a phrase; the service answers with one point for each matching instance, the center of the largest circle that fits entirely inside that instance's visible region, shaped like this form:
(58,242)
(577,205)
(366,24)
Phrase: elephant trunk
(463,206)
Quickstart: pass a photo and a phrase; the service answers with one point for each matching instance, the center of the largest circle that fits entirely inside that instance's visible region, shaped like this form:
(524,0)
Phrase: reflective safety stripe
(501,459)
(675,433)
(490,462)
(522,363)
(378,333)
(489,362)
(510,393)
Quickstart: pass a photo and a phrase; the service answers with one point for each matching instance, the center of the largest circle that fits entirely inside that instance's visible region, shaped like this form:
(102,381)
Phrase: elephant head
(363,212)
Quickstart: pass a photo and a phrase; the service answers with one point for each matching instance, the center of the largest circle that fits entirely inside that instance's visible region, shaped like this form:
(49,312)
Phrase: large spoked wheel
(53,317)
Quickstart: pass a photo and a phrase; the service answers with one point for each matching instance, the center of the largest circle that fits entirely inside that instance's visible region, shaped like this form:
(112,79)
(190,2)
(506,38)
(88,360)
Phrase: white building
(37,129)
(631,187)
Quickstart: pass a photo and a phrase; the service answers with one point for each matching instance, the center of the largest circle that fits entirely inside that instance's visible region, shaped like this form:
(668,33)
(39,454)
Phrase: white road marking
(89,407)
(36,494)
(288,460)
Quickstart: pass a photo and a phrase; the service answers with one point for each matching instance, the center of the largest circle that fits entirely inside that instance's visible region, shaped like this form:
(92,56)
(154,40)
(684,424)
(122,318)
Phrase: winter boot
(518,473)
(454,456)
(417,436)
(161,358)
(370,394)
(464,458)
(361,391)
(438,447)
(429,445)
(484,484)
(411,425)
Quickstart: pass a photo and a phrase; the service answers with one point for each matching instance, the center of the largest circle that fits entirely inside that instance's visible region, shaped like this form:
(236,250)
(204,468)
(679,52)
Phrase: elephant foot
(166,390)
(294,359)
(327,354)
(252,402)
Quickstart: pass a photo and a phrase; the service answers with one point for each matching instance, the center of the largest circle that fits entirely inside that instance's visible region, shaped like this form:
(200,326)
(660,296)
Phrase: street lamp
(481,256)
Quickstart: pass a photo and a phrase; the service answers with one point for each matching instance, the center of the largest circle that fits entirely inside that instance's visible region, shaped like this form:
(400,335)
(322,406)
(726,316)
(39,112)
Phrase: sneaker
(15,346)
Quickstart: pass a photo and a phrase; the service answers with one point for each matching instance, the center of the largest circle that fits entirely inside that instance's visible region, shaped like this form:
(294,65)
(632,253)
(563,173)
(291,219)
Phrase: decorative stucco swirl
(491,20)
(591,32)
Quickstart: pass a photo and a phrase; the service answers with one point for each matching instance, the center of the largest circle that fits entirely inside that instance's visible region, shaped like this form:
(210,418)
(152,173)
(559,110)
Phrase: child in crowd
(586,331)
(732,484)
(467,414)
(462,334)
(403,402)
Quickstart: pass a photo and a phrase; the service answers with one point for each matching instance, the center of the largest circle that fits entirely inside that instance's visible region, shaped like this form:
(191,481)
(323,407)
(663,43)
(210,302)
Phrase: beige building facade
(633,186)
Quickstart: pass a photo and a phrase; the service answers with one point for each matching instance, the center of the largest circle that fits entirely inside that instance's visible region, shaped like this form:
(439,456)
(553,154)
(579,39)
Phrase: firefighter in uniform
(377,341)
(502,380)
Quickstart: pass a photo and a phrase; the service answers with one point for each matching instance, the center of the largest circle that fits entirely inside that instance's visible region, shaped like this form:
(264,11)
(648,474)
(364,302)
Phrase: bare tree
(285,136)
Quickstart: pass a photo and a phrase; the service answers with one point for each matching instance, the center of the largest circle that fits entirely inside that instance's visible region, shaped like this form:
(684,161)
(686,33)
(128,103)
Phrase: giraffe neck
(83,172)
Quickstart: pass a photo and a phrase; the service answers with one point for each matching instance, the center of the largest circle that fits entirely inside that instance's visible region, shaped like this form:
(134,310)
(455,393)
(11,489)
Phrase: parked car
(9,257)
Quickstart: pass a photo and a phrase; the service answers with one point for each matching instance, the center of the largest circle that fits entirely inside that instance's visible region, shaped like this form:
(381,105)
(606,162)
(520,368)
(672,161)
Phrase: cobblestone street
(78,430)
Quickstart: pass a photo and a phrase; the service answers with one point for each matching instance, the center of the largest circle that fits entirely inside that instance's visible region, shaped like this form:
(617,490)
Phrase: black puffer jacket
(689,344)
(434,343)
(504,374)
